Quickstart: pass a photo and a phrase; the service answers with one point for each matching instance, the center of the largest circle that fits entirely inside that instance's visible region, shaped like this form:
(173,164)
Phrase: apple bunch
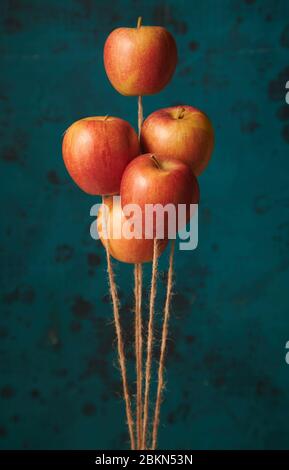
(159,166)
(104,156)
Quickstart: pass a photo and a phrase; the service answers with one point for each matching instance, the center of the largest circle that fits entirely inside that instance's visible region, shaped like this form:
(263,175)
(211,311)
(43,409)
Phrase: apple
(141,60)
(134,250)
(180,132)
(96,151)
(148,180)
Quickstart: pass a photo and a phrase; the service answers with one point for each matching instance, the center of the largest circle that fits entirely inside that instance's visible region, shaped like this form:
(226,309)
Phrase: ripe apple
(96,151)
(132,250)
(180,132)
(141,60)
(148,180)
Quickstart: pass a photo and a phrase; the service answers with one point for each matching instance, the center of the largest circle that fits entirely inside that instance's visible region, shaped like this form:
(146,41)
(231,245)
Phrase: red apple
(141,60)
(148,180)
(132,250)
(180,132)
(96,151)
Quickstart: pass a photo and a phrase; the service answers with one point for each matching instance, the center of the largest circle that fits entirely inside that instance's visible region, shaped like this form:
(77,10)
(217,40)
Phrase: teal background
(227,379)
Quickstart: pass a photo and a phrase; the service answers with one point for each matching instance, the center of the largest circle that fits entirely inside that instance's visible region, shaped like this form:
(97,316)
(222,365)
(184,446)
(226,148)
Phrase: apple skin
(125,250)
(140,61)
(147,180)
(180,132)
(96,151)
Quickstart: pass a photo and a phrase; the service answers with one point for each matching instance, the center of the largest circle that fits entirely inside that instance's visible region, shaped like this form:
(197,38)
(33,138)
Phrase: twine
(120,344)
(163,348)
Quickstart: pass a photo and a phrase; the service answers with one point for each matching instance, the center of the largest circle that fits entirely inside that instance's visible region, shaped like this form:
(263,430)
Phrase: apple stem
(153,157)
(106,117)
(181,113)
(139,21)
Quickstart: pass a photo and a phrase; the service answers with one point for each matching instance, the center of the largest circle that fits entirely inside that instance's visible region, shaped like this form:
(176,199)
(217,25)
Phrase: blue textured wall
(227,377)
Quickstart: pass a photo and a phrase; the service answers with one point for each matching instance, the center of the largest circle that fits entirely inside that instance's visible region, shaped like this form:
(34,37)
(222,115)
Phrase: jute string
(160,386)
(150,339)
(120,344)
(138,325)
